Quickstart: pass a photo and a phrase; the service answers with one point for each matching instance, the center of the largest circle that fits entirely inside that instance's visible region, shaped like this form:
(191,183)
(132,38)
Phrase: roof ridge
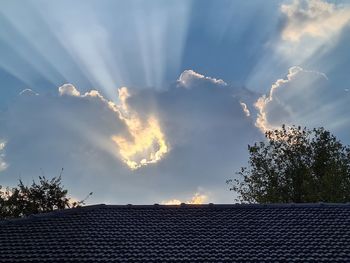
(67,211)
(57,212)
(269,205)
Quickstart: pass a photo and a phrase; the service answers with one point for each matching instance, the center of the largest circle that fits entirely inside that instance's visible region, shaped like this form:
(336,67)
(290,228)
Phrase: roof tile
(185,233)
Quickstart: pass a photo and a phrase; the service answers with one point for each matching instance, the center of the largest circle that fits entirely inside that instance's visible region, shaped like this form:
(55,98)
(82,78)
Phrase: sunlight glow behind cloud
(294,100)
(196,199)
(310,26)
(144,143)
(245,108)
(313,18)
(172,128)
(307,30)
(147,143)
(262,120)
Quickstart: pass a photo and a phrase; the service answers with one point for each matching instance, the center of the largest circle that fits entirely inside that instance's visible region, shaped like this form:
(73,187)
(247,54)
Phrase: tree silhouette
(44,196)
(295,165)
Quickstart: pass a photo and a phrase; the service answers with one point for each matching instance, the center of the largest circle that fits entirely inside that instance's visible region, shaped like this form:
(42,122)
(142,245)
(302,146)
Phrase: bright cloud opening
(196,199)
(144,143)
(147,142)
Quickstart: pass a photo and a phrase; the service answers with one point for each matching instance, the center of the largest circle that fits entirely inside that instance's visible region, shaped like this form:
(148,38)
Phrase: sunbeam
(164,96)
(143,141)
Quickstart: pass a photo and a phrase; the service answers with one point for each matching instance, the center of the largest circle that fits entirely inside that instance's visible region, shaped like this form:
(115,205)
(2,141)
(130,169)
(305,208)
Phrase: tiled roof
(185,233)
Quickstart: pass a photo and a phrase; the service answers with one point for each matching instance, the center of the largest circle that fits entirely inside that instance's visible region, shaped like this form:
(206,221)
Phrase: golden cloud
(315,18)
(146,144)
(196,199)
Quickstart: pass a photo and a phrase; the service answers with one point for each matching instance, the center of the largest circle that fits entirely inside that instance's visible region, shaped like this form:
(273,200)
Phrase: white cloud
(3,164)
(190,78)
(302,98)
(28,92)
(264,101)
(145,142)
(309,30)
(68,89)
(245,108)
(313,18)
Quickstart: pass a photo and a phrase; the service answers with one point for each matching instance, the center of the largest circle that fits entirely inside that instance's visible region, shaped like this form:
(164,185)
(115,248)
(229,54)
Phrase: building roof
(184,233)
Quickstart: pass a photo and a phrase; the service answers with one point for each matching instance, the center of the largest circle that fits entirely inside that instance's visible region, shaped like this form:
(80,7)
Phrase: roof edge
(67,211)
(58,212)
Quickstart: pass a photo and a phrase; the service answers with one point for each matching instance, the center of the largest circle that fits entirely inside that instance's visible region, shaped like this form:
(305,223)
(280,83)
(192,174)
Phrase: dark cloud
(202,119)
(207,129)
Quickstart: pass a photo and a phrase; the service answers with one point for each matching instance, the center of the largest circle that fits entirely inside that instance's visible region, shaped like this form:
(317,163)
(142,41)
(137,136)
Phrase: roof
(185,233)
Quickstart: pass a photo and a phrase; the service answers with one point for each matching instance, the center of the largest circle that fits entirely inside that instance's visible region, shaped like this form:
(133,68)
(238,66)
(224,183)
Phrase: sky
(147,101)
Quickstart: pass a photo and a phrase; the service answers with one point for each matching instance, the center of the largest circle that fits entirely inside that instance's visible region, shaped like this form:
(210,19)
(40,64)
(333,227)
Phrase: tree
(295,165)
(45,196)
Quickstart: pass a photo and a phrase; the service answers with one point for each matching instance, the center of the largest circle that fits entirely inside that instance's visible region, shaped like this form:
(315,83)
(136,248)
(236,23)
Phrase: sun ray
(147,143)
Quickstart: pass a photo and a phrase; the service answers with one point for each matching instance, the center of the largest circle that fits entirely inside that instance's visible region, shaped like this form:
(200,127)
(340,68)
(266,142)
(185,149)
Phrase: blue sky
(156,101)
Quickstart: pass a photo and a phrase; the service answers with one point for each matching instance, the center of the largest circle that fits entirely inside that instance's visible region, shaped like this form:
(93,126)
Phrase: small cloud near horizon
(196,199)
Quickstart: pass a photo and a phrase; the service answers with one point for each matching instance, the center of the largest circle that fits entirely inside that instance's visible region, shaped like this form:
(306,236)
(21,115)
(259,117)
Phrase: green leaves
(44,196)
(297,165)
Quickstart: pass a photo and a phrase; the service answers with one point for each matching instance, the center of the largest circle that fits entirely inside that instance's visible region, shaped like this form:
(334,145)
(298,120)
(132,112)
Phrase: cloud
(43,130)
(3,164)
(191,137)
(69,90)
(245,108)
(137,142)
(28,92)
(313,18)
(196,199)
(264,102)
(148,143)
(304,97)
(207,129)
(191,79)
(144,142)
(308,31)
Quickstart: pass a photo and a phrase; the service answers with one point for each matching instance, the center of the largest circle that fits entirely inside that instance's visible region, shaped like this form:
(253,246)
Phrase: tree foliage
(44,196)
(295,165)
